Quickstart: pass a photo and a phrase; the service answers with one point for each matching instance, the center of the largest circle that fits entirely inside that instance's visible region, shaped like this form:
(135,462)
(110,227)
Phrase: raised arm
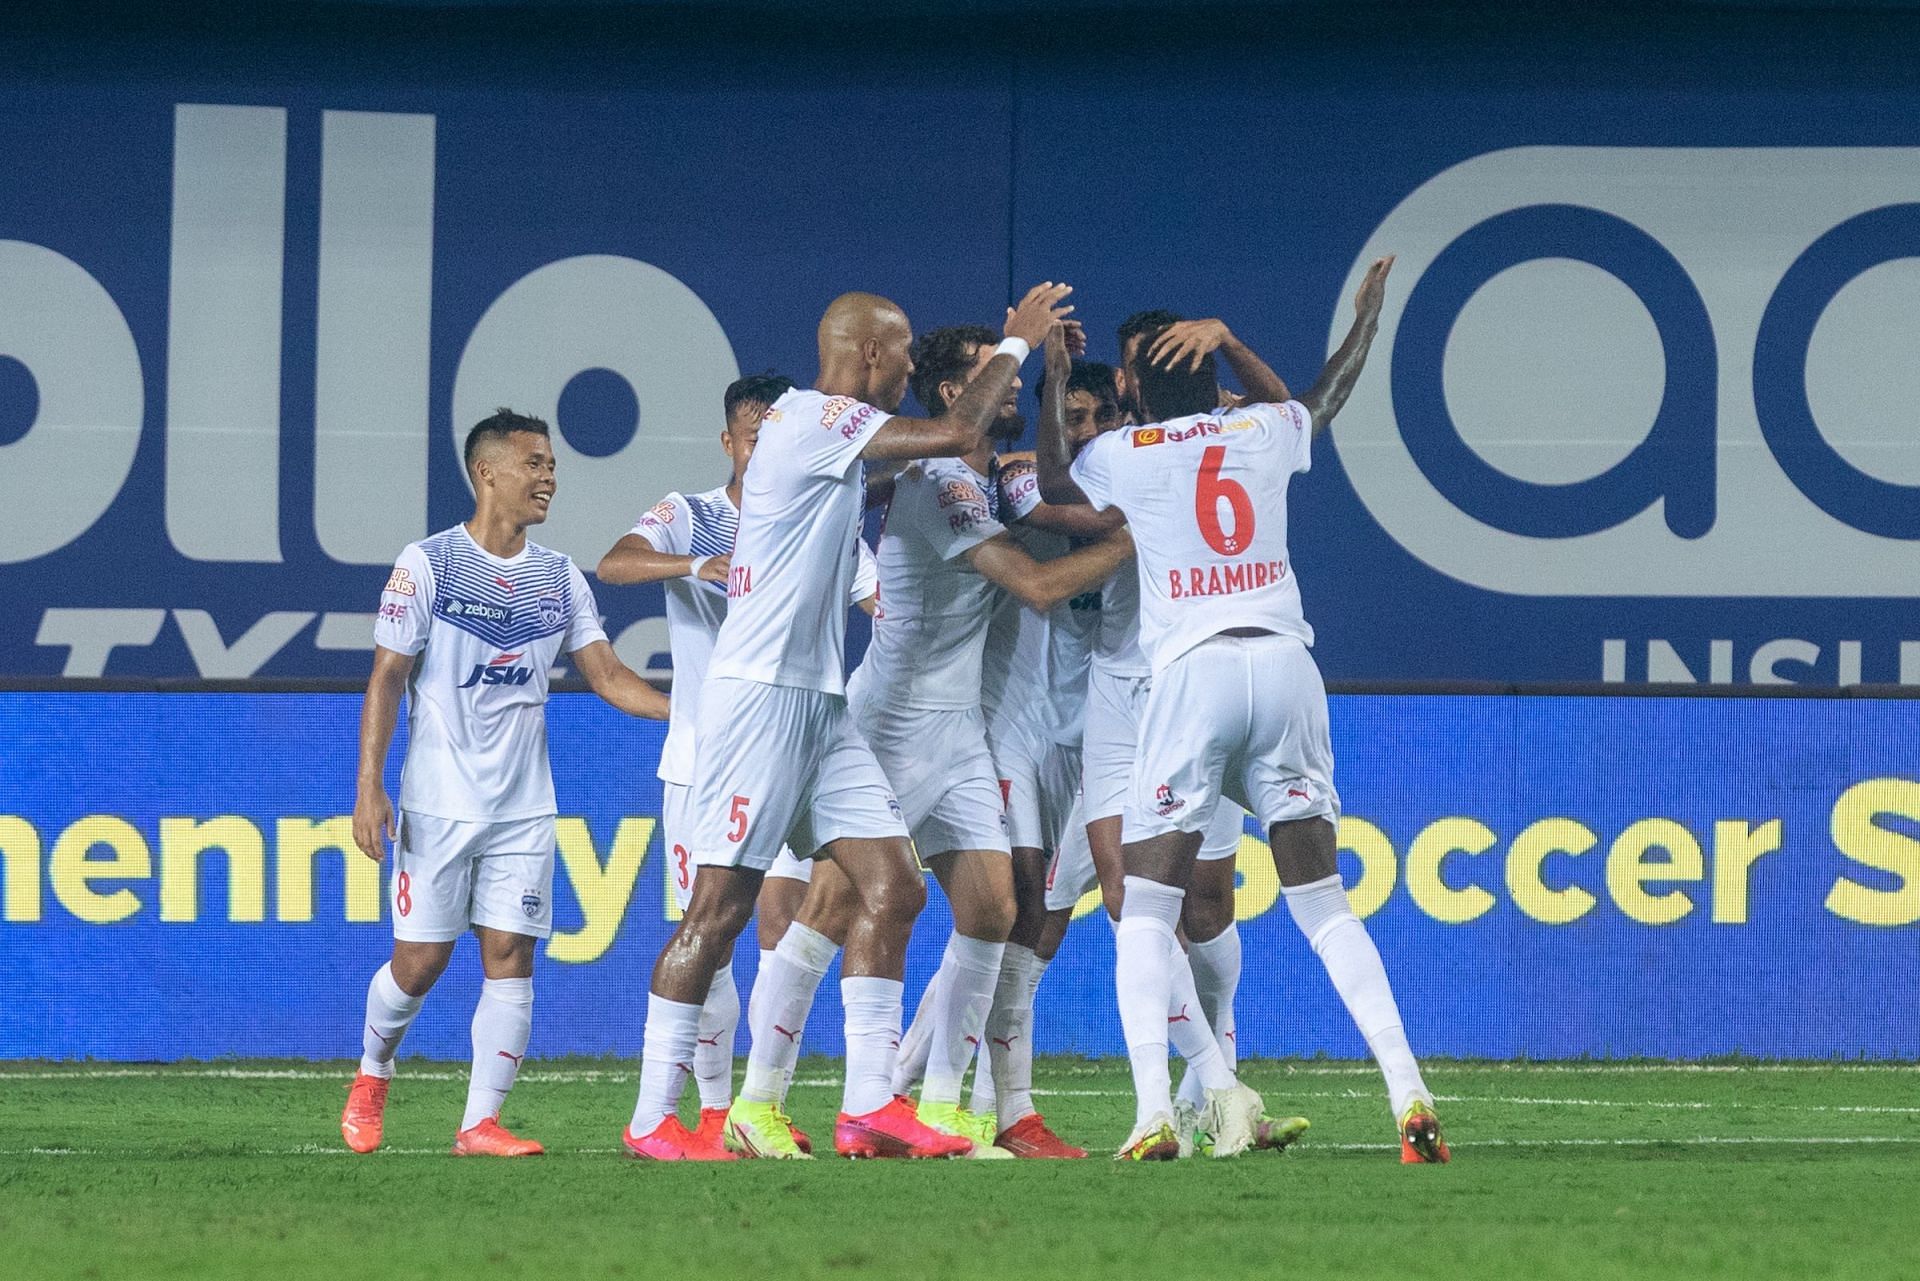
(1042,584)
(1335,383)
(372,808)
(1053,455)
(958,432)
(635,560)
(1193,340)
(617,683)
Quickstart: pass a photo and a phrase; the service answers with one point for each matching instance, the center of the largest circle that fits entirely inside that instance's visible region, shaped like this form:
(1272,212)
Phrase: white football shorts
(1244,718)
(775,766)
(676,825)
(1115,707)
(449,875)
(1039,783)
(942,772)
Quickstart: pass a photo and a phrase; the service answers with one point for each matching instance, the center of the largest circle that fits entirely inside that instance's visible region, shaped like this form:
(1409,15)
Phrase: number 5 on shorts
(738,814)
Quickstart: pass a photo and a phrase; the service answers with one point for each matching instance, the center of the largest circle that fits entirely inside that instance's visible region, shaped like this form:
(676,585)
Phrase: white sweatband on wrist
(699,563)
(1015,347)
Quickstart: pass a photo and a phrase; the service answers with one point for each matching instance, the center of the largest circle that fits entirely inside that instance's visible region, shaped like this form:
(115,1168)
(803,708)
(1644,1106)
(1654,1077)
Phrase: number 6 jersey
(1206,496)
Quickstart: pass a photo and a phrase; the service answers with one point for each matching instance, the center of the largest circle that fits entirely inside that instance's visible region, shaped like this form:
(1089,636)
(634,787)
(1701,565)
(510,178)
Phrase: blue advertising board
(1636,411)
(1546,877)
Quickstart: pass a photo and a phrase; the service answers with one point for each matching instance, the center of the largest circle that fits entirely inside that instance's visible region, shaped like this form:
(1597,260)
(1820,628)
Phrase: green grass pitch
(1577,1170)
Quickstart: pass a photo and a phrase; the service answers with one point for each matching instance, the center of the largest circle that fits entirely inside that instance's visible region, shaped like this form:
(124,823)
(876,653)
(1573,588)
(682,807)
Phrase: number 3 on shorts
(738,814)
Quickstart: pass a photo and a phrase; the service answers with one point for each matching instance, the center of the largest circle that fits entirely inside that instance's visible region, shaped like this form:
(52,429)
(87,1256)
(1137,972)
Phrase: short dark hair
(945,355)
(1140,322)
(1094,378)
(1173,393)
(500,425)
(756,389)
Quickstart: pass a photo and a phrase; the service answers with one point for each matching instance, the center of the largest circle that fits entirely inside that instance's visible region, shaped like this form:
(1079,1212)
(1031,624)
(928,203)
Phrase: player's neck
(496,535)
(981,458)
(733,492)
(842,378)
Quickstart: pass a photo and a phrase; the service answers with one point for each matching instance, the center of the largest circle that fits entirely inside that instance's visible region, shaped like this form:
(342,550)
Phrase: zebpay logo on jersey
(498,671)
(1649,372)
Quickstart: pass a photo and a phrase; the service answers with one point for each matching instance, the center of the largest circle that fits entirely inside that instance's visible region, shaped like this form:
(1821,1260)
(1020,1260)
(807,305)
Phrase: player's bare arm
(372,807)
(963,427)
(1335,383)
(617,683)
(1055,451)
(1193,340)
(635,560)
(1042,584)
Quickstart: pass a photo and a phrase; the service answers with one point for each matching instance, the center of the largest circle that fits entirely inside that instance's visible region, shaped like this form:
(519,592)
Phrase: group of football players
(1088,664)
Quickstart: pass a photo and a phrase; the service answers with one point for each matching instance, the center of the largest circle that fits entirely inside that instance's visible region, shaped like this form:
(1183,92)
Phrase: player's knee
(1206,916)
(990,920)
(416,967)
(896,896)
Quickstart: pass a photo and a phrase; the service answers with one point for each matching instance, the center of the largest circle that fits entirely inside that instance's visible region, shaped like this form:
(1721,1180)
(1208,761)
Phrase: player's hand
(1059,356)
(717,568)
(373,823)
(1037,312)
(1076,338)
(1189,340)
(1373,288)
(1231,399)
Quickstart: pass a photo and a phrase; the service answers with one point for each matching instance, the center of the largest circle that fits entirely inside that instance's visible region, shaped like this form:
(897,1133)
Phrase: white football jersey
(703,525)
(488,632)
(800,505)
(1035,666)
(1206,496)
(931,626)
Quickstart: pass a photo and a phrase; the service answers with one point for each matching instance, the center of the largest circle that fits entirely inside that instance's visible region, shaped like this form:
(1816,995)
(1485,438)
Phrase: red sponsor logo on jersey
(400,583)
(1224,580)
(662,511)
(1166,802)
(835,406)
(1205,427)
(394,610)
(1147,436)
(503,584)
(739,581)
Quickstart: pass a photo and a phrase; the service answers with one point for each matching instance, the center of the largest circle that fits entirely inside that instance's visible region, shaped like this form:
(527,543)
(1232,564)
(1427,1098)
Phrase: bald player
(778,759)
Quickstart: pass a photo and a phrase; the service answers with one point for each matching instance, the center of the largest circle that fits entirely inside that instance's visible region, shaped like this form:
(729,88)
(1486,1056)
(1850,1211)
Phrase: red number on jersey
(739,816)
(1208,492)
(403,895)
(680,864)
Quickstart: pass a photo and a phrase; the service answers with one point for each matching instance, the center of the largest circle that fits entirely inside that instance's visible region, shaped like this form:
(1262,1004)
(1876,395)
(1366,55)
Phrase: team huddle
(1088,665)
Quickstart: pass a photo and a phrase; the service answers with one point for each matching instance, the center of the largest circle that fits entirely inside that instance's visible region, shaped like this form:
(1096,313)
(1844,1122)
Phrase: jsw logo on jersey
(1632,371)
(498,671)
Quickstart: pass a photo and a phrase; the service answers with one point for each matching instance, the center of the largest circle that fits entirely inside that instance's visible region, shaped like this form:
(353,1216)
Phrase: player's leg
(758,745)
(429,898)
(512,908)
(1193,723)
(783,995)
(979,889)
(1290,784)
(720,1012)
(1213,940)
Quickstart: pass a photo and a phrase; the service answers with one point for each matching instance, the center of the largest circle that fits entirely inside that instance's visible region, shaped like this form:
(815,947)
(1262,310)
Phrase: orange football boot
(1420,1139)
(490,1138)
(1029,1137)
(361,1122)
(894,1131)
(672,1141)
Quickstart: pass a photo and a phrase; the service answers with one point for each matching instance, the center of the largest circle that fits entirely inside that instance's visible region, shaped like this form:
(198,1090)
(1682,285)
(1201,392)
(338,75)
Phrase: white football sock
(777,1013)
(960,1018)
(666,1057)
(1343,945)
(1010,1040)
(1143,954)
(390,1012)
(754,999)
(917,1045)
(873,1008)
(713,1046)
(501,1023)
(1216,978)
(1188,1029)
